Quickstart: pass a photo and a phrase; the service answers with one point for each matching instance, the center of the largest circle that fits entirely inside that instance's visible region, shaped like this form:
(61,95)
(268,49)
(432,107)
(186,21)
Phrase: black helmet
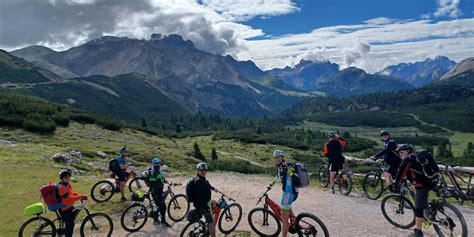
(406,147)
(65,173)
(332,134)
(384,132)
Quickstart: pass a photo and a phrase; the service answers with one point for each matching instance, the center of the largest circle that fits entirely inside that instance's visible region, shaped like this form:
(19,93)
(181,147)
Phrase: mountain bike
(446,219)
(457,191)
(94,224)
(228,216)
(103,190)
(342,179)
(373,184)
(265,221)
(135,216)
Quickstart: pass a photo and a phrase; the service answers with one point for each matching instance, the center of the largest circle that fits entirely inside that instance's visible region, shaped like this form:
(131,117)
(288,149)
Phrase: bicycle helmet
(202,166)
(277,153)
(332,134)
(65,173)
(406,147)
(124,149)
(384,132)
(156,161)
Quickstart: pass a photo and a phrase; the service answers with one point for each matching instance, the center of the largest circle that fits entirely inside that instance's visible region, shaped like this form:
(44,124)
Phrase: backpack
(303,174)
(428,163)
(49,193)
(114,165)
(189,190)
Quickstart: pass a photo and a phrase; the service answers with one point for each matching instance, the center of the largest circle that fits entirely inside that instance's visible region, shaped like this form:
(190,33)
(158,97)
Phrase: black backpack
(114,165)
(189,190)
(428,163)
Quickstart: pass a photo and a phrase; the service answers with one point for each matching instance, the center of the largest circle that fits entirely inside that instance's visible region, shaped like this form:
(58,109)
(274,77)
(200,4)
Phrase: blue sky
(322,13)
(369,34)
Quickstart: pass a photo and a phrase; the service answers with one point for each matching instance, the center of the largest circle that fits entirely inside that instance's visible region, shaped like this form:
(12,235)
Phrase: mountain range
(166,75)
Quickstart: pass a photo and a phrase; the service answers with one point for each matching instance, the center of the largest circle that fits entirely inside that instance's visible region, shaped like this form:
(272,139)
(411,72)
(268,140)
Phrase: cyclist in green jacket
(156,181)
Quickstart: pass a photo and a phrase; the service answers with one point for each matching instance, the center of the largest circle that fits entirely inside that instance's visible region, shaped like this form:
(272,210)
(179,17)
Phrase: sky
(369,34)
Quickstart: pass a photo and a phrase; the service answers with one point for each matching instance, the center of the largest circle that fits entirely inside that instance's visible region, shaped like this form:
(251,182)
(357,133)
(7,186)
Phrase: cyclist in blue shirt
(122,173)
(290,183)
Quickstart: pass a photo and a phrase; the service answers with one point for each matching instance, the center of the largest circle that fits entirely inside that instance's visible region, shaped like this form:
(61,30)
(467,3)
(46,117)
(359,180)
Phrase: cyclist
(390,157)
(333,150)
(413,171)
(198,191)
(121,172)
(290,183)
(68,197)
(155,181)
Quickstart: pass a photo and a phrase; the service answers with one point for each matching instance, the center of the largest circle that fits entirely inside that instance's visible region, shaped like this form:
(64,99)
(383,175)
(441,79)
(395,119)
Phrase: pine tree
(178,128)
(163,127)
(214,154)
(197,152)
(258,130)
(144,125)
(441,150)
(469,151)
(308,140)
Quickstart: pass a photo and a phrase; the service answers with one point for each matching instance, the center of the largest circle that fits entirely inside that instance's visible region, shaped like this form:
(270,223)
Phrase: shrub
(38,123)
(82,118)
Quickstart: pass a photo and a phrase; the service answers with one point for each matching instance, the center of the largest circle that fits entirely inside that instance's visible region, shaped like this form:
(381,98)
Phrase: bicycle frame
(277,209)
(457,187)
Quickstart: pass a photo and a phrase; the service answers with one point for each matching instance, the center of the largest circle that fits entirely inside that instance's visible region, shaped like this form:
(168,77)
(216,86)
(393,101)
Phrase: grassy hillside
(17,70)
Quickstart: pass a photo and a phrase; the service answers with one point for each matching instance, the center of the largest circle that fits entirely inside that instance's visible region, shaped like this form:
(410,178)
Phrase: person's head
(404,150)
(156,162)
(384,135)
(279,157)
(124,151)
(332,135)
(65,175)
(202,169)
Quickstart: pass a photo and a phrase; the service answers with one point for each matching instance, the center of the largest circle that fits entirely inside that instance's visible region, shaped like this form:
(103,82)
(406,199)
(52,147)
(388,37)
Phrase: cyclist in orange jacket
(68,197)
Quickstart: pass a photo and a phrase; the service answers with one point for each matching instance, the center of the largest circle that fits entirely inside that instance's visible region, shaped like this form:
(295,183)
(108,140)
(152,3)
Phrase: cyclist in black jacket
(333,150)
(156,181)
(413,171)
(198,191)
(390,157)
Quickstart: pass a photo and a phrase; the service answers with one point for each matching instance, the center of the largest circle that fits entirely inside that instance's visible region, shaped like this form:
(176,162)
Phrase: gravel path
(351,215)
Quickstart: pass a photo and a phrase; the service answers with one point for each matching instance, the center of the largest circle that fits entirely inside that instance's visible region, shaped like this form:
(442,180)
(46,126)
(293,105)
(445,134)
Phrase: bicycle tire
(107,227)
(47,221)
(373,180)
(302,230)
(345,188)
(396,200)
(140,183)
(175,204)
(264,211)
(460,217)
(99,197)
(222,217)
(143,212)
(323,175)
(202,227)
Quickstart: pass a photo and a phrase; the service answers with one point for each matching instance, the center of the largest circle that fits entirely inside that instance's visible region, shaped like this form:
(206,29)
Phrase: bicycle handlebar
(265,193)
(223,195)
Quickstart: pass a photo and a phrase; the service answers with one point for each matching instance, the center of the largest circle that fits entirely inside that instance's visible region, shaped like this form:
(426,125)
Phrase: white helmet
(202,166)
(277,153)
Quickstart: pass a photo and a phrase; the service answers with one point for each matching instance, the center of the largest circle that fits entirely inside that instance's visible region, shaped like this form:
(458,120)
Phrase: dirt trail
(351,215)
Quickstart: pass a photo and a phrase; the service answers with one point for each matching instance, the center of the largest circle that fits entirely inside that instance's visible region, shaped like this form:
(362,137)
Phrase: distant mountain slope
(353,81)
(463,66)
(17,70)
(420,73)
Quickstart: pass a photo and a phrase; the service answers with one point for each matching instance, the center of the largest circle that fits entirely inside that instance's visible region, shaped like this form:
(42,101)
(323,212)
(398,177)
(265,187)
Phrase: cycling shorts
(286,200)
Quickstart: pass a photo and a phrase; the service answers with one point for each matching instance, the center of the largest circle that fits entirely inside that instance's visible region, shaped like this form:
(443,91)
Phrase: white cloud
(448,8)
(348,45)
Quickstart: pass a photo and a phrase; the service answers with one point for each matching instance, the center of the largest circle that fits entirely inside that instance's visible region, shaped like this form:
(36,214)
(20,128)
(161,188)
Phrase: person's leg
(68,218)
(285,216)
(332,175)
(122,179)
(285,209)
(421,202)
(211,222)
(162,208)
(346,166)
(389,174)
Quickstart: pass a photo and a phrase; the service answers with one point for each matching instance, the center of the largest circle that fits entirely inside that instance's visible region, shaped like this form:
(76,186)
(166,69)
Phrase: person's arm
(402,172)
(67,195)
(342,142)
(189,191)
(326,150)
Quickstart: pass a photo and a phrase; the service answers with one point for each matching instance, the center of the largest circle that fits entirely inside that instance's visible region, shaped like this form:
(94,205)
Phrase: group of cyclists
(401,160)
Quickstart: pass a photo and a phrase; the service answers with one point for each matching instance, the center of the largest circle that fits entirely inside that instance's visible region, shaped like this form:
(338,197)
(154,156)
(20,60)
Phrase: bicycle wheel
(97,224)
(310,225)
(451,221)
(134,217)
(323,175)
(102,191)
(345,184)
(373,185)
(137,183)
(37,226)
(264,222)
(230,218)
(394,209)
(178,207)
(195,229)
